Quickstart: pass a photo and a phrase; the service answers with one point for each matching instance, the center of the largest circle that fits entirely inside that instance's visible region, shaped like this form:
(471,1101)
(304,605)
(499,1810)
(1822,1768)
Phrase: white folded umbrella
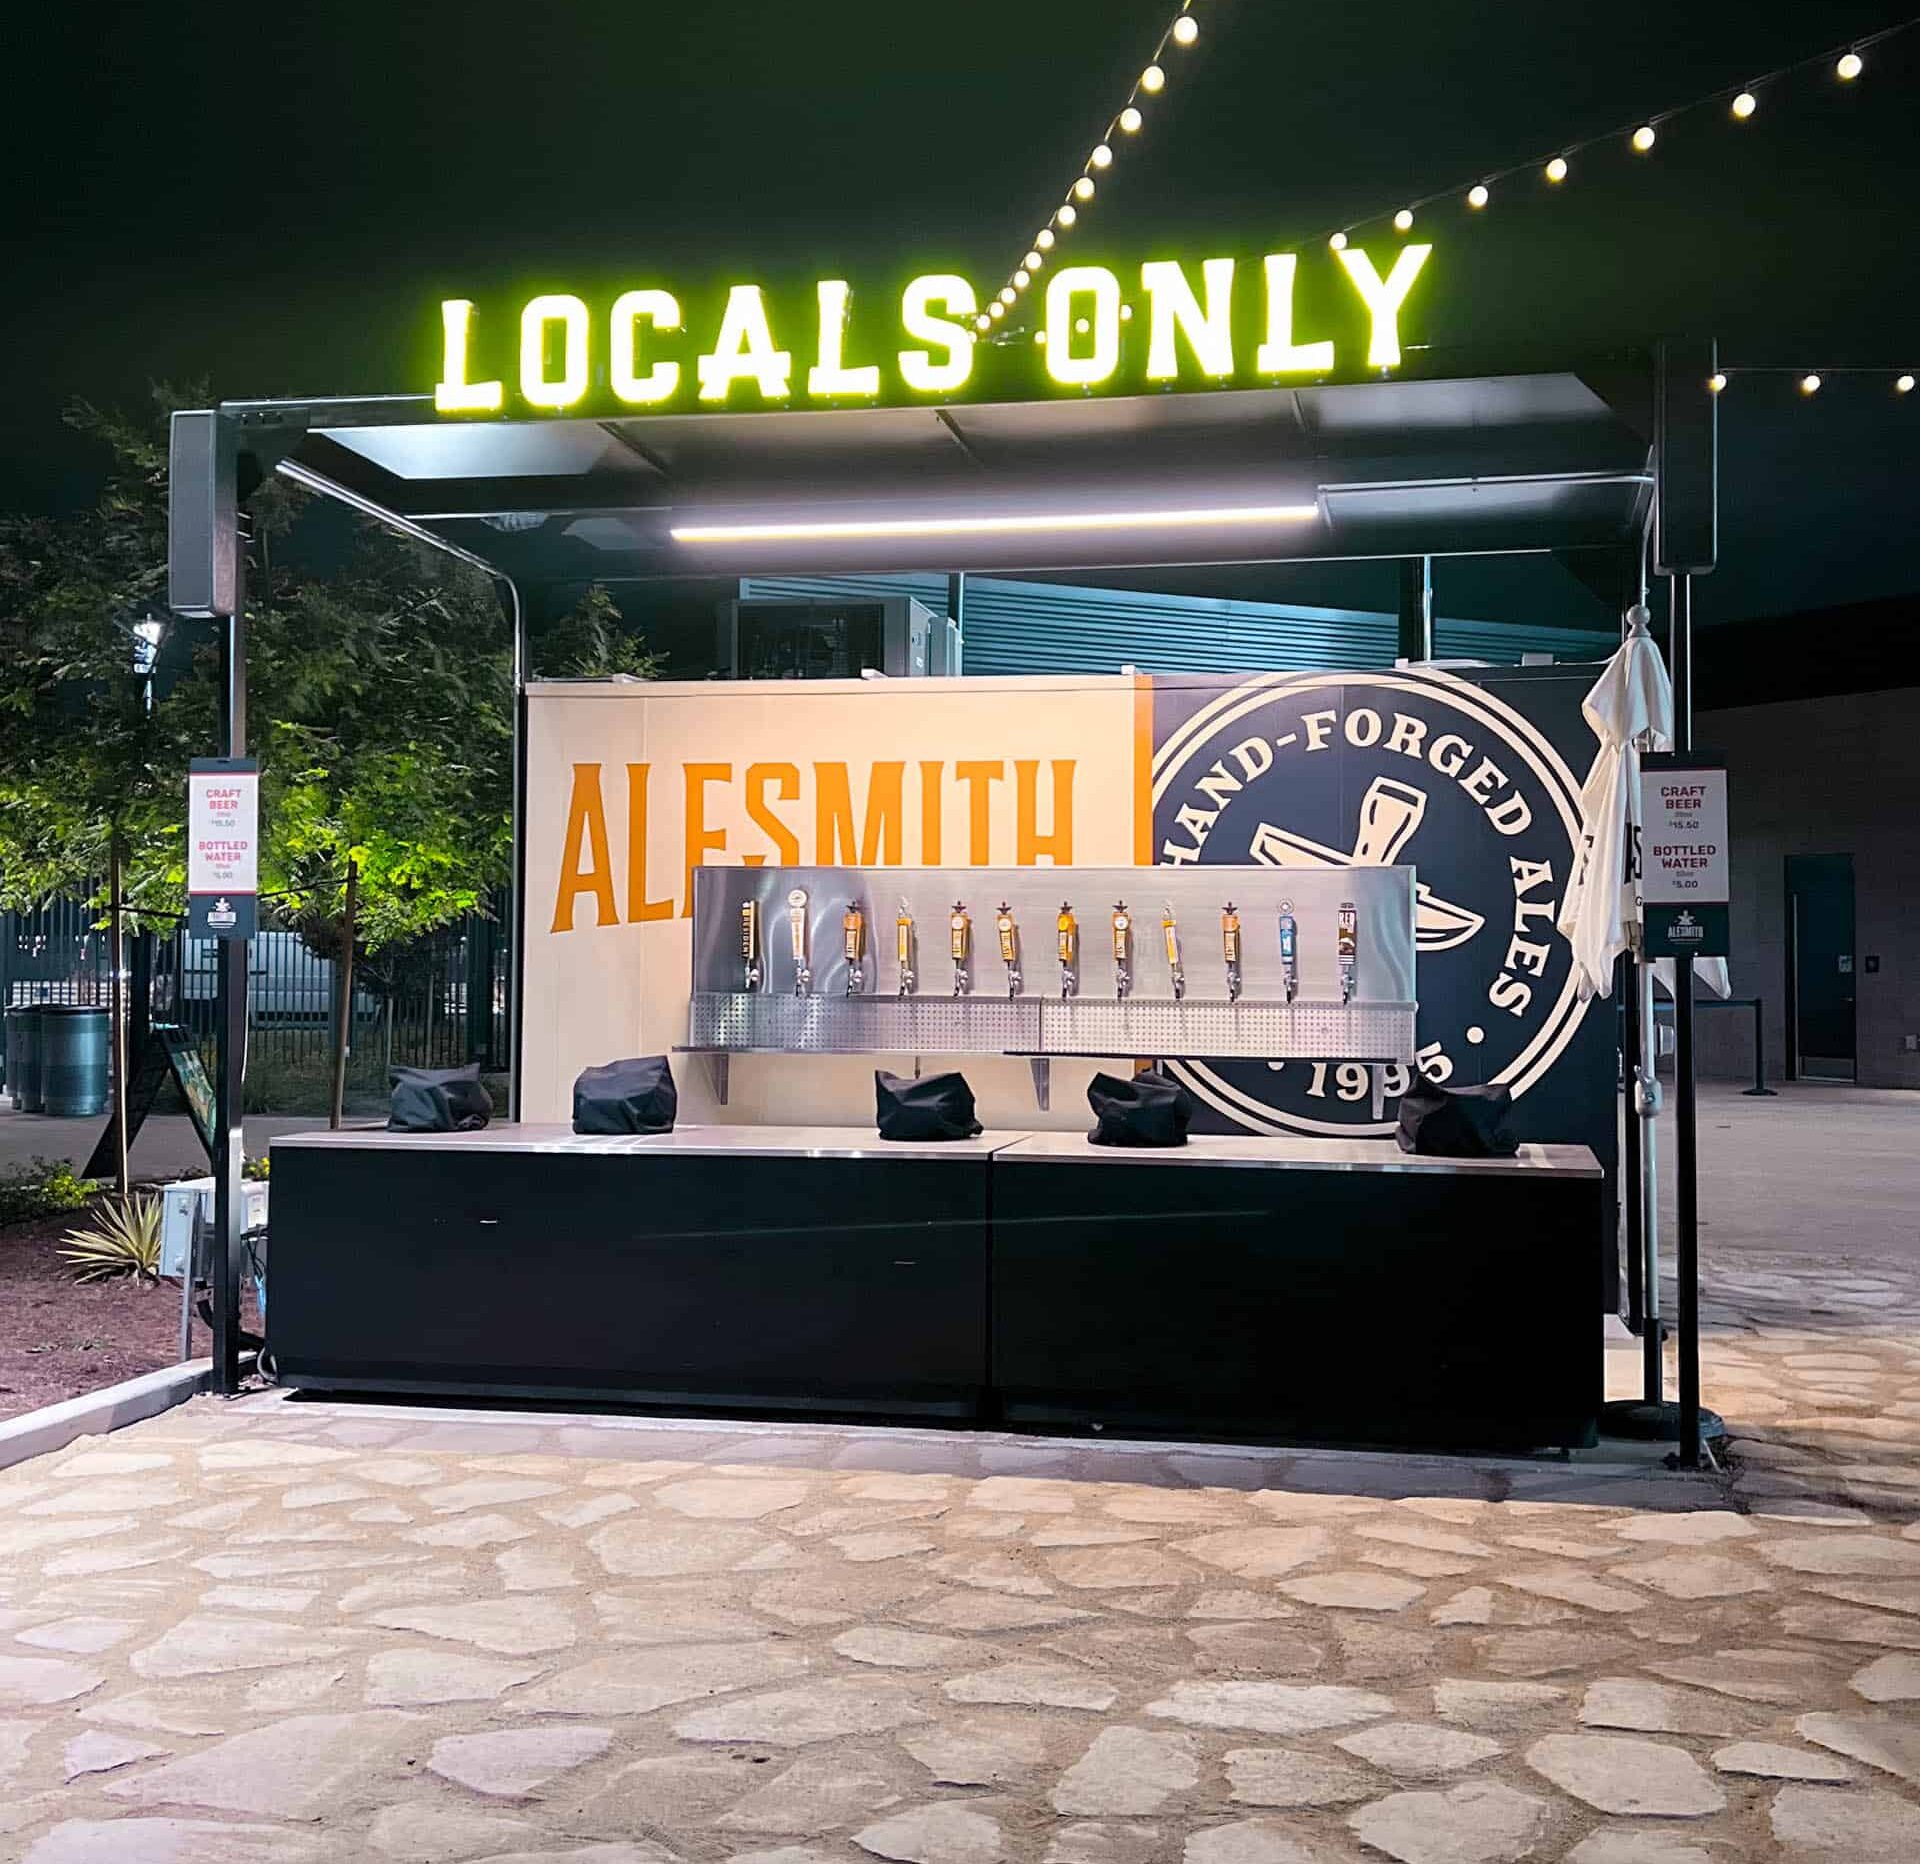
(1630,708)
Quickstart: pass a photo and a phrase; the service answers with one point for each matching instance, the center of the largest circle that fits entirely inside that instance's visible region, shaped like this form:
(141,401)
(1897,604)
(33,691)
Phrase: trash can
(23,1057)
(74,1051)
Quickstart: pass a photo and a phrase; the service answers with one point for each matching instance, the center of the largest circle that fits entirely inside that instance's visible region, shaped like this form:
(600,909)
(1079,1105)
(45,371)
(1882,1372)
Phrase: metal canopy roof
(1457,465)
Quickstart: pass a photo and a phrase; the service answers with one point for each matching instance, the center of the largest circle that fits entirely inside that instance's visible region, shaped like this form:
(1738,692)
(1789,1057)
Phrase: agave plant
(125,1241)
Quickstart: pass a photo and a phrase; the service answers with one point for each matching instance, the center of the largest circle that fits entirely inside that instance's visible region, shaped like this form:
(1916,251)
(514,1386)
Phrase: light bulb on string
(1083,188)
(1068,214)
(1903,385)
(1006,294)
(1477,195)
(1643,138)
(1809,384)
(1034,262)
(1850,67)
(1044,239)
(1745,105)
(1338,242)
(1557,169)
(1716,384)
(1152,79)
(1186,29)
(1130,120)
(1102,156)
(983,322)
(1022,279)
(1403,220)
(996,310)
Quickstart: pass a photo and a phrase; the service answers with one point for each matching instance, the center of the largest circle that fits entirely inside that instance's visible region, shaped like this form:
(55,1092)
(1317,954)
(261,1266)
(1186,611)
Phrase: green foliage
(380,694)
(41,1188)
(259,1167)
(125,1241)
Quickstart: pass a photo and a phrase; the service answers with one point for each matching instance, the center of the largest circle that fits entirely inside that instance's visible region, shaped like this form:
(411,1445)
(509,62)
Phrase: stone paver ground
(280,1632)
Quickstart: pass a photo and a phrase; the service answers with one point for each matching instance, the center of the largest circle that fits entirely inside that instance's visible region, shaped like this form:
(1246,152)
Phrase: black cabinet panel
(1322,1305)
(829,1283)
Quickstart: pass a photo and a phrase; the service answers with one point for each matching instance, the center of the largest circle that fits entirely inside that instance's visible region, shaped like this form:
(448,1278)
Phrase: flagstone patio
(286,1632)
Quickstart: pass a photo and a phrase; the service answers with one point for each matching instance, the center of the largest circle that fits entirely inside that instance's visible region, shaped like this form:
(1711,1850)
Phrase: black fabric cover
(936,1106)
(632,1096)
(438,1100)
(1150,1109)
(1456,1122)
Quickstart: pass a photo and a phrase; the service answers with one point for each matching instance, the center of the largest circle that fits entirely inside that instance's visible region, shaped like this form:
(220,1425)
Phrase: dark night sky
(277,198)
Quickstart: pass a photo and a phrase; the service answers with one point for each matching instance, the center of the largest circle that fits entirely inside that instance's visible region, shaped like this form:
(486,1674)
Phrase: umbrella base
(1640,1422)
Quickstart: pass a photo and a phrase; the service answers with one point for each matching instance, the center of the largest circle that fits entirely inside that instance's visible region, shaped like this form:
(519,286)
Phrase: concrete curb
(54,1426)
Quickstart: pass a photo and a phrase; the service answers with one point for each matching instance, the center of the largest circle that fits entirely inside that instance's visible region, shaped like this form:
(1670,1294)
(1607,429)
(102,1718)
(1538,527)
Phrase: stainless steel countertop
(1302,1154)
(820,1142)
(851,1142)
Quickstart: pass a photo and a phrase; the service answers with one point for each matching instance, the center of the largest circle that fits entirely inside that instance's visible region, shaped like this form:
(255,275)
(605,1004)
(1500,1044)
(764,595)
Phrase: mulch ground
(60,1338)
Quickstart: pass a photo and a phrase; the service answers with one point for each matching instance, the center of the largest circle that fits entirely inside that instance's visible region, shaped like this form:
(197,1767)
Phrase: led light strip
(1030,524)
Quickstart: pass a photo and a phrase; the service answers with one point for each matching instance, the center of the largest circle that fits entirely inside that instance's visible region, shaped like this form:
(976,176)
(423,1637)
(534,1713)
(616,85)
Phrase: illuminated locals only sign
(1164,324)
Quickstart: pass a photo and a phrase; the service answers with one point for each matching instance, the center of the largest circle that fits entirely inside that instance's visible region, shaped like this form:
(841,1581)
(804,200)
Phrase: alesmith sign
(1409,766)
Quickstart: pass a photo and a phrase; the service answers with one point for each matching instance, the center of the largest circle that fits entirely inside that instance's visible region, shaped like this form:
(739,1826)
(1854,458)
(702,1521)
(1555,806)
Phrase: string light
(1903,385)
(1716,384)
(1006,294)
(1403,220)
(1741,101)
(1809,384)
(1182,30)
(1338,242)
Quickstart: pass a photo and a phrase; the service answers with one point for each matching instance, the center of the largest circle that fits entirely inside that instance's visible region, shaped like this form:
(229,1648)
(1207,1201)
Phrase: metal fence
(438,1001)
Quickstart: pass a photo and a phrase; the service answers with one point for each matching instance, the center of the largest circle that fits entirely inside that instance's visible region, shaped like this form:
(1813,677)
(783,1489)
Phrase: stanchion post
(1759,1087)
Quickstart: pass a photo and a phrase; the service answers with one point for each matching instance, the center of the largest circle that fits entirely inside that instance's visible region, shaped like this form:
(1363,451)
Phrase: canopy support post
(1687,1212)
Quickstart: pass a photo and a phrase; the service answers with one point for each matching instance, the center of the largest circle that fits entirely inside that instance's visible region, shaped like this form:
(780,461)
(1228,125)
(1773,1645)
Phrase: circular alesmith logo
(1414,766)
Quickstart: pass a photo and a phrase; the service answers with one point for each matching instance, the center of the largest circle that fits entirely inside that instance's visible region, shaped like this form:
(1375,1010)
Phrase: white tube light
(1022,524)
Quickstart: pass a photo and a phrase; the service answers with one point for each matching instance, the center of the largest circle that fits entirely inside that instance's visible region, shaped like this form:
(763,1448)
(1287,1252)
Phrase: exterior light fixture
(1557,169)
(1403,220)
(1186,29)
(1809,385)
(1154,79)
(1643,138)
(1011,524)
(1477,195)
(1745,105)
(1850,67)
(1130,120)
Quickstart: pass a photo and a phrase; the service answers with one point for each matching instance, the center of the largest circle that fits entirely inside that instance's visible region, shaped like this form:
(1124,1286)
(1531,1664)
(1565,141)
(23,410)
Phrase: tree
(380,707)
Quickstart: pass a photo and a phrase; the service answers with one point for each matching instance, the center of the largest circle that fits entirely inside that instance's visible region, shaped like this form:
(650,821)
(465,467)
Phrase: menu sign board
(1684,869)
(223,846)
